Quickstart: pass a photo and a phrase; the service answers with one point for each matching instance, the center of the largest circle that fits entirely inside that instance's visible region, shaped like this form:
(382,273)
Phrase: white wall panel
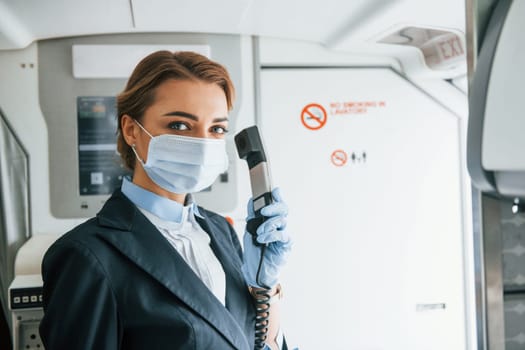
(378,258)
(20,104)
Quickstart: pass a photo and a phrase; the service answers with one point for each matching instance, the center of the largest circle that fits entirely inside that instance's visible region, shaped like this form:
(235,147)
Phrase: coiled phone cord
(262,308)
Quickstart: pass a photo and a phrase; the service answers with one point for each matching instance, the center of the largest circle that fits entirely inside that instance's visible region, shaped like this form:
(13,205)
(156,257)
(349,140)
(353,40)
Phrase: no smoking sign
(313,116)
(339,157)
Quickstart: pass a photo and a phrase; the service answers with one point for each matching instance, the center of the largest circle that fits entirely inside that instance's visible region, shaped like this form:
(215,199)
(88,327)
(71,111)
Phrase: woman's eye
(219,129)
(180,126)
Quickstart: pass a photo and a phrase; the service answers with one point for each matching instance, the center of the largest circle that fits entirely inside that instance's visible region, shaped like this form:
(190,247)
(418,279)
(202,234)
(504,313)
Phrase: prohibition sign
(339,157)
(313,116)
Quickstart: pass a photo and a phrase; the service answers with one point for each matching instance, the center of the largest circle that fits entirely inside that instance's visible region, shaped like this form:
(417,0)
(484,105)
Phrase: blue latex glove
(273,233)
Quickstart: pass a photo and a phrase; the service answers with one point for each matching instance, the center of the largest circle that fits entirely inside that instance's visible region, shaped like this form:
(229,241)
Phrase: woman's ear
(129,129)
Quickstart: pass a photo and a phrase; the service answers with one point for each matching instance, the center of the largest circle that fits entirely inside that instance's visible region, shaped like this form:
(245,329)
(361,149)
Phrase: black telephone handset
(250,147)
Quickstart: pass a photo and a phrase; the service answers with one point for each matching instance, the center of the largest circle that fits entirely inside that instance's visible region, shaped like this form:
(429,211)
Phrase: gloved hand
(273,233)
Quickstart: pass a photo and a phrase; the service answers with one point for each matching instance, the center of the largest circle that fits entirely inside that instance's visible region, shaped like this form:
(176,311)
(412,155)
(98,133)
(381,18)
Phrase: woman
(153,270)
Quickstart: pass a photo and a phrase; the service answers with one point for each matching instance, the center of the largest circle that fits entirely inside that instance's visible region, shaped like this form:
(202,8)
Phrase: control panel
(26,304)
(25,298)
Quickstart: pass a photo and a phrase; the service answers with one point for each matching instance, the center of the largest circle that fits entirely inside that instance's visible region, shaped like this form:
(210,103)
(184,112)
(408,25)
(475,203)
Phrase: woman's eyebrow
(192,116)
(181,114)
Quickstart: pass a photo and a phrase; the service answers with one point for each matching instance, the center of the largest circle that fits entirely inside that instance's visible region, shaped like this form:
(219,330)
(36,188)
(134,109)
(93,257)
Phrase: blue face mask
(182,164)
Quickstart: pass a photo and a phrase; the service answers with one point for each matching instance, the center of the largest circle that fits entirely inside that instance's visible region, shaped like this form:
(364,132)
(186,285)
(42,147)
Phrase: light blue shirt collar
(165,208)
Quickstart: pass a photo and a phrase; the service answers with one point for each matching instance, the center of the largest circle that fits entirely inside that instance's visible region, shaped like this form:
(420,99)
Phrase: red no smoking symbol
(339,157)
(313,116)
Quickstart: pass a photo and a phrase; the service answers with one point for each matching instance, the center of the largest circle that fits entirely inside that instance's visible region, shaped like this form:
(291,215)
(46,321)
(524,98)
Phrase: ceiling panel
(36,19)
(343,25)
(307,20)
(189,16)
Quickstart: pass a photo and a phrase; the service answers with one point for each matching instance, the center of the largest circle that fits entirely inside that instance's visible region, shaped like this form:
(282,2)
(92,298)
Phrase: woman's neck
(141,179)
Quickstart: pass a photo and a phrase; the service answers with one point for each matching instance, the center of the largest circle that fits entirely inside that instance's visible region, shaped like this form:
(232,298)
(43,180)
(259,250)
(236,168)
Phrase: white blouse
(193,244)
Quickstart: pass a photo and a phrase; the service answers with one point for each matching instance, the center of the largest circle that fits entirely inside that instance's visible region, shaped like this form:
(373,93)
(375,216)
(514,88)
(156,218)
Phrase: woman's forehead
(191,99)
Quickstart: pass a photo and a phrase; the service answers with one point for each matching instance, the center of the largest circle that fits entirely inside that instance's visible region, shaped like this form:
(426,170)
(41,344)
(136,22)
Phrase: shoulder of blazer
(117,214)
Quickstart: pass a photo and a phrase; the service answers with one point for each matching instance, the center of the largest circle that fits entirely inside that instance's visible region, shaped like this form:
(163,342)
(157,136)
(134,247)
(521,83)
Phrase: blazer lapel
(237,295)
(137,238)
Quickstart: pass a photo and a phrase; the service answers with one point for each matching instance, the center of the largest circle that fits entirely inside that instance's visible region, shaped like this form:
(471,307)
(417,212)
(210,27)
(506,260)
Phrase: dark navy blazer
(114,282)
